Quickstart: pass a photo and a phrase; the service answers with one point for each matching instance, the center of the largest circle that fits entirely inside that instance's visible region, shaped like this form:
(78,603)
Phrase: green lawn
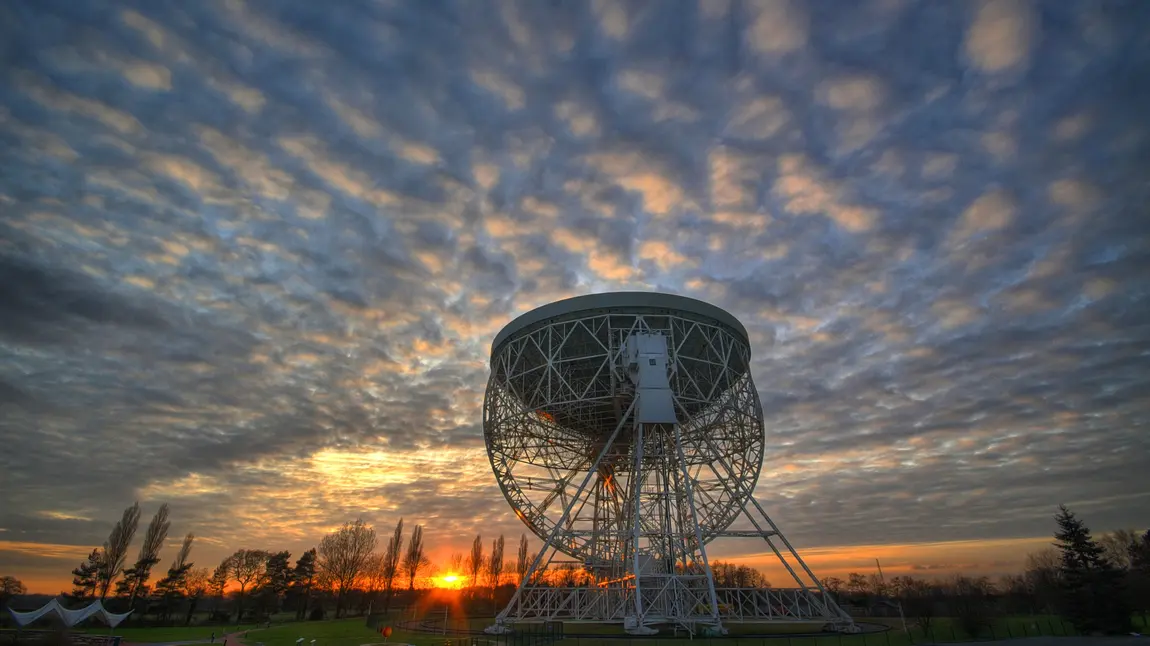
(336,632)
(354,632)
(171,634)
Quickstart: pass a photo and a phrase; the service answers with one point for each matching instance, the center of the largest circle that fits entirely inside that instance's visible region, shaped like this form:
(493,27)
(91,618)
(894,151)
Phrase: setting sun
(449,581)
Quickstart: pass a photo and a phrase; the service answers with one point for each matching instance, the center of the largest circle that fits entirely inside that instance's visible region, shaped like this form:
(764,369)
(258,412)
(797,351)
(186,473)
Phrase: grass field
(169,634)
(354,632)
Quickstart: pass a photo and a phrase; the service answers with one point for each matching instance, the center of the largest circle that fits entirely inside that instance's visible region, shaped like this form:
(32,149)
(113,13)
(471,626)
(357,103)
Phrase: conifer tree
(84,578)
(1092,595)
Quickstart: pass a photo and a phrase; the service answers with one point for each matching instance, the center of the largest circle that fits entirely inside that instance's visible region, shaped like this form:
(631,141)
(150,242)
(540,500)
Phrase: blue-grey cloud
(250,250)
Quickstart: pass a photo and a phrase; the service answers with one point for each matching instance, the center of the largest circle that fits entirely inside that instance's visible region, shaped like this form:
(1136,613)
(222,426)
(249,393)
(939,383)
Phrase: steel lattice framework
(599,470)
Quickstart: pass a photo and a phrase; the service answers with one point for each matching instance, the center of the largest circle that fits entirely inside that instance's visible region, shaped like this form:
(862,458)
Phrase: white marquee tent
(69,617)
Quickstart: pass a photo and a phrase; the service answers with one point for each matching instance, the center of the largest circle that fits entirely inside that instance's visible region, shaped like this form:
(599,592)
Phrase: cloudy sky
(252,256)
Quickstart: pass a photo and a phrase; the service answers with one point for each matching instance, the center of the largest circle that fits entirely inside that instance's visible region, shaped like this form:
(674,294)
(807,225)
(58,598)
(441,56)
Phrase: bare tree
(475,560)
(413,558)
(857,584)
(969,600)
(455,563)
(920,601)
(1043,575)
(1116,546)
(521,562)
(197,583)
(373,579)
(392,556)
(831,584)
(495,563)
(116,548)
(247,568)
(343,555)
(185,551)
(149,556)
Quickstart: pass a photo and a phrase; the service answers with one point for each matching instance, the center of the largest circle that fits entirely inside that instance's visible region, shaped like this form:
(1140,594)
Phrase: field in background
(354,632)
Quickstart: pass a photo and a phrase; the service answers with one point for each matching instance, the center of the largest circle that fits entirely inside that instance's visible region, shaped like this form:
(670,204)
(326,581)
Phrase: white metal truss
(636,503)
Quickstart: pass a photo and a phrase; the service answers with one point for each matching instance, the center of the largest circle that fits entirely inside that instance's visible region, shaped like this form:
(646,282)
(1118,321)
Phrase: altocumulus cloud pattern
(252,254)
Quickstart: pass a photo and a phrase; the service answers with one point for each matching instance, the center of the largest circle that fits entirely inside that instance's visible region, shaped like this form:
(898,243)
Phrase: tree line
(1096,584)
(261,581)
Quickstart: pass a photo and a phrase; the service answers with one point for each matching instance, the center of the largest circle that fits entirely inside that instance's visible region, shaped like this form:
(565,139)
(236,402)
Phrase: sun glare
(449,581)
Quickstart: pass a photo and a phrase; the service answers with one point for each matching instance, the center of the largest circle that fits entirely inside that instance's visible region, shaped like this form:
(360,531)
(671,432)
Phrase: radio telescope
(626,432)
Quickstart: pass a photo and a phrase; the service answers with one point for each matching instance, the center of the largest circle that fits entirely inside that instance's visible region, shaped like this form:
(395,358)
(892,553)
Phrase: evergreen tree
(129,582)
(302,580)
(1139,575)
(1140,552)
(276,581)
(279,575)
(170,589)
(1092,595)
(84,578)
(219,582)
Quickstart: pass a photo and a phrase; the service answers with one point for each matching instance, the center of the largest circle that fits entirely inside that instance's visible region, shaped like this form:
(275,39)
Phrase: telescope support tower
(626,433)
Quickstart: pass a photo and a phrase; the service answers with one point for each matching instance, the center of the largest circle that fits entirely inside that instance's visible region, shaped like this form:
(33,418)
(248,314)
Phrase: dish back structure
(626,433)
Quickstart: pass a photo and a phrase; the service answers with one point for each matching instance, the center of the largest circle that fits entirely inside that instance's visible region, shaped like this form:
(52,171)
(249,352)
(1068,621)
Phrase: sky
(253,255)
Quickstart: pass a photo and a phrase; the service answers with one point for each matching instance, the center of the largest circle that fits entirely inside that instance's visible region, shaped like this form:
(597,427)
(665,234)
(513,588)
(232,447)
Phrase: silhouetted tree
(414,558)
(475,560)
(84,577)
(1139,575)
(115,549)
(392,557)
(303,578)
(729,575)
(833,585)
(219,582)
(374,579)
(197,583)
(495,563)
(171,588)
(342,556)
(919,601)
(10,587)
(1092,595)
(154,538)
(1116,546)
(857,584)
(249,569)
(521,562)
(275,582)
(279,572)
(970,603)
(1140,552)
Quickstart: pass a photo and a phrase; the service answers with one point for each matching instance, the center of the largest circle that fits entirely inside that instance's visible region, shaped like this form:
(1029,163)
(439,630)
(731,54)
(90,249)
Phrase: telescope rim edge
(618,301)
